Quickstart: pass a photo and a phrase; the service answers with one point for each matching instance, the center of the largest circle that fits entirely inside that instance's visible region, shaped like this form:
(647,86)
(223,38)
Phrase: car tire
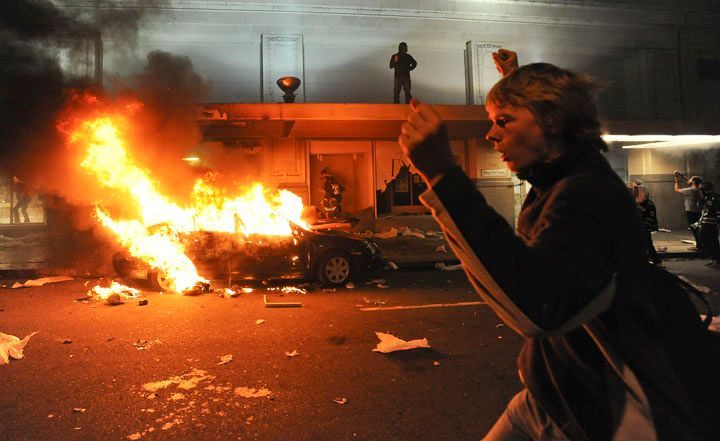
(159,280)
(335,269)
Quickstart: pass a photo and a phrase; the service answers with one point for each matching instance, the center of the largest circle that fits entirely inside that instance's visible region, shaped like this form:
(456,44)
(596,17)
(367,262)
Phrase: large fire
(252,211)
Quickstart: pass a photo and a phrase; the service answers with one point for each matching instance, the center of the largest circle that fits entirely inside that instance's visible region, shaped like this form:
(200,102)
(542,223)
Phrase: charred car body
(332,258)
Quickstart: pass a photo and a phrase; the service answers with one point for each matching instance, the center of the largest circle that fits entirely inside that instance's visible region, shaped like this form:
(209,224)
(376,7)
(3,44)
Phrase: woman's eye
(500,122)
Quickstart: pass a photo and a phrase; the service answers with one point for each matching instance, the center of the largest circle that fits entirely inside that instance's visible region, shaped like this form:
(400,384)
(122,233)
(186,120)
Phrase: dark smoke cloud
(34,89)
(32,35)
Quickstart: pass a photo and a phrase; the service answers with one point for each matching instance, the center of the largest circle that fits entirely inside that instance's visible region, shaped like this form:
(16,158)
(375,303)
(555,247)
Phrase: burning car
(332,258)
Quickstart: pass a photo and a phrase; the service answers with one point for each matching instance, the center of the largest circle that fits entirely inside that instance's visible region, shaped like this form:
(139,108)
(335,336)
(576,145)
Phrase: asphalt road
(84,378)
(100,386)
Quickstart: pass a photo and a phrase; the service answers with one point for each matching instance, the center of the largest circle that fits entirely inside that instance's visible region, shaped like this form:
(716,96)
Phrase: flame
(252,211)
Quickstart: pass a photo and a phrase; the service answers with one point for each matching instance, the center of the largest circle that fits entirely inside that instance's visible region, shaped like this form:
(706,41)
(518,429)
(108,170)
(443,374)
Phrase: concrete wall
(645,51)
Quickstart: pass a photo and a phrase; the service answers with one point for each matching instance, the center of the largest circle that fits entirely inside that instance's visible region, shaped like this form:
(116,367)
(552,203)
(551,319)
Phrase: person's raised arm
(424,141)
(505,60)
(393,60)
(676,174)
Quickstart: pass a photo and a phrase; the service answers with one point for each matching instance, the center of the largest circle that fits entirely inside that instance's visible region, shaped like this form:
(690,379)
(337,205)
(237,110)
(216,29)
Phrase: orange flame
(254,212)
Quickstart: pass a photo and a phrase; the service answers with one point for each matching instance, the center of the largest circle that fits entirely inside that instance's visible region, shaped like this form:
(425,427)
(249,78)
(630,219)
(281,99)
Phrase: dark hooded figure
(403,63)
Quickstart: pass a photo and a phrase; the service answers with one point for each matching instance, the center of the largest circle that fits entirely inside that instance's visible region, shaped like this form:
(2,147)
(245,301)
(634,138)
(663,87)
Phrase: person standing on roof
(403,63)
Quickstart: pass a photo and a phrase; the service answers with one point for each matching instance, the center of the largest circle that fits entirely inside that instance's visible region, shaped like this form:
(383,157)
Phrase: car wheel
(159,280)
(335,269)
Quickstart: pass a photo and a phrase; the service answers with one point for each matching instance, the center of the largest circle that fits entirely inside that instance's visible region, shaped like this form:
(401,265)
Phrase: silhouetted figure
(693,202)
(708,223)
(22,200)
(403,63)
(648,215)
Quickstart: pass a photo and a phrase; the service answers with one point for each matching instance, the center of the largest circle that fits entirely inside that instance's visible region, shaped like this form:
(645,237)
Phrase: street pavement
(83,377)
(153,372)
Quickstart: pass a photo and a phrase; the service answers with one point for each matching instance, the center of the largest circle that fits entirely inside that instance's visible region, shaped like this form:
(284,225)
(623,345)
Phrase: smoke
(47,55)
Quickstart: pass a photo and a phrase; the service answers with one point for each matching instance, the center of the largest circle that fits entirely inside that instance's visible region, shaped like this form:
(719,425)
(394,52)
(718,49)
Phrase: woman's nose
(491,135)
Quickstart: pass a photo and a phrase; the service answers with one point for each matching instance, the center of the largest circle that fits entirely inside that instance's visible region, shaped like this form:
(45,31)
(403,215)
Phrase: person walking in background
(693,202)
(403,63)
(708,224)
(22,200)
(614,348)
(648,215)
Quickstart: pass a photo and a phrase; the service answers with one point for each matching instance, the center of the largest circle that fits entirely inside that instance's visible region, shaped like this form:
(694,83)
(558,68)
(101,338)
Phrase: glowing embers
(153,233)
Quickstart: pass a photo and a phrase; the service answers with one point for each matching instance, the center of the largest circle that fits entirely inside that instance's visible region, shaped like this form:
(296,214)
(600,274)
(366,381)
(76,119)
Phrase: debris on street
(329,289)
(406,231)
(142,345)
(436,363)
(392,232)
(41,281)
(350,285)
(186,381)
(228,293)
(79,409)
(441,249)
(249,392)
(392,265)
(340,400)
(12,347)
(375,281)
(200,287)
(280,304)
(373,301)
(115,294)
(225,359)
(383,286)
(390,343)
(142,302)
(292,354)
(259,321)
(290,290)
(445,267)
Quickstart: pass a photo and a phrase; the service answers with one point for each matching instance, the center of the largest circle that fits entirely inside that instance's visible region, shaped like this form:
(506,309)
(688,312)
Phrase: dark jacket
(402,63)
(606,333)
(648,215)
(710,210)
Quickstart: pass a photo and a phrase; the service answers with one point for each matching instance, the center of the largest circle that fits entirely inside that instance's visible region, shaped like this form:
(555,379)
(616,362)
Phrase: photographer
(693,202)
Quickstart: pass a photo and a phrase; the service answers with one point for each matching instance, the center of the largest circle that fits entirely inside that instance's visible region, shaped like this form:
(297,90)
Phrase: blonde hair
(561,100)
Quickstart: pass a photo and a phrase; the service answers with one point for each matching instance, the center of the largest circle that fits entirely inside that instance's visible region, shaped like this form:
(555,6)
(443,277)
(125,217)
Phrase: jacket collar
(543,175)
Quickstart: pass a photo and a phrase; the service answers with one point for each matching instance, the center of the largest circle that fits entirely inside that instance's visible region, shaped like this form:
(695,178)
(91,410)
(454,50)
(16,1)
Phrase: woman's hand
(506,61)
(424,141)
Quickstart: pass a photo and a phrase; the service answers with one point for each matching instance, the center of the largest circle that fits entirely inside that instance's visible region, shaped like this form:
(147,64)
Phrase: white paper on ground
(11,346)
(390,343)
(41,282)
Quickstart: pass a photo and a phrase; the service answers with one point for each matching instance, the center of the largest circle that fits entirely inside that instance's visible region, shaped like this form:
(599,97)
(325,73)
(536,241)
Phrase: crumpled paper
(41,282)
(11,346)
(390,343)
